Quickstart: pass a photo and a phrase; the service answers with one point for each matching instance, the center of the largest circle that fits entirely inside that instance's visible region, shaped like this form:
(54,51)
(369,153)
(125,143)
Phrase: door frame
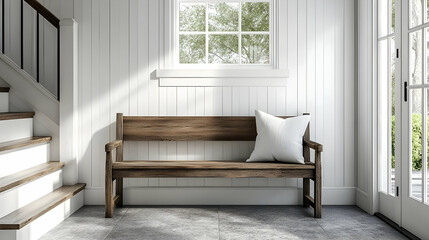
(387,202)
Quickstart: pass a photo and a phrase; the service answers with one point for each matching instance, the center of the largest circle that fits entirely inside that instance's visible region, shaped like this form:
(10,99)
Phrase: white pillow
(279,139)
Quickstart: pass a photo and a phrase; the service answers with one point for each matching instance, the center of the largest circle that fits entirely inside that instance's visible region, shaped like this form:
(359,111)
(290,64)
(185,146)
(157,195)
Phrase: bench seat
(177,169)
(208,165)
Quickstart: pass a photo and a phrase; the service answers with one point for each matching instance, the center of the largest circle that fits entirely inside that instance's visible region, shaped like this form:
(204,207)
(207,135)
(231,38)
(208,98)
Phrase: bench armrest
(314,145)
(112,145)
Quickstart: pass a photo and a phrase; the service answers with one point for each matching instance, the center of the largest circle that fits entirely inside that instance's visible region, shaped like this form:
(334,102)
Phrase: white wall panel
(117,76)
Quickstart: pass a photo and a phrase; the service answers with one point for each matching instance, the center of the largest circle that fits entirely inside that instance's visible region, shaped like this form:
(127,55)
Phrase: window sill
(221,77)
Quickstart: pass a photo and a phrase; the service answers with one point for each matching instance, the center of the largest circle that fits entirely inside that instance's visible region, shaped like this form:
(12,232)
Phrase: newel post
(69,99)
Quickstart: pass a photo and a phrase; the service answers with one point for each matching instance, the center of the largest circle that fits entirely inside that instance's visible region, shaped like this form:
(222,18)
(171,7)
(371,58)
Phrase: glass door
(389,144)
(415,105)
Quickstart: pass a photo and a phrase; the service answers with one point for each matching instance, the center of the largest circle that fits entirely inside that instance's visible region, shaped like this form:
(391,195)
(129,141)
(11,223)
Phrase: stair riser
(4,102)
(16,129)
(20,196)
(45,223)
(17,160)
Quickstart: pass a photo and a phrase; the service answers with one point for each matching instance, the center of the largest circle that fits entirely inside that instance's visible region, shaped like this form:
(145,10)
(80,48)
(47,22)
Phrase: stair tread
(4,89)
(25,215)
(23,142)
(16,115)
(27,175)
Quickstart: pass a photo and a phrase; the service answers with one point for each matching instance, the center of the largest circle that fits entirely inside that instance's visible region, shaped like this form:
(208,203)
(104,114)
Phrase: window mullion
(239,33)
(207,32)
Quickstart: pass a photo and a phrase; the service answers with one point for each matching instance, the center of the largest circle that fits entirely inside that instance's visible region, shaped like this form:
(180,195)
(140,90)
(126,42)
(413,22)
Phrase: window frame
(171,74)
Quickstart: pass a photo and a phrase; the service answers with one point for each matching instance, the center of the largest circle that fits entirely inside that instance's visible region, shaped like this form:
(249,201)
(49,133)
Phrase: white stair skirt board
(221,196)
(16,160)
(46,222)
(22,195)
(4,102)
(16,129)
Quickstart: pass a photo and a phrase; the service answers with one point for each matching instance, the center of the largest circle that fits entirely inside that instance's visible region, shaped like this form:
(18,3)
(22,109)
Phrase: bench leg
(318,187)
(305,191)
(108,186)
(119,191)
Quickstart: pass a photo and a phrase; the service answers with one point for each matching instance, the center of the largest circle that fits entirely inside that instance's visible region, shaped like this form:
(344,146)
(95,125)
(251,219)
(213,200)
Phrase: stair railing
(41,12)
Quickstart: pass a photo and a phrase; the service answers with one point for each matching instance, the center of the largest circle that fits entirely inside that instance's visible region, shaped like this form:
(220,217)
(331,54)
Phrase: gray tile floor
(226,222)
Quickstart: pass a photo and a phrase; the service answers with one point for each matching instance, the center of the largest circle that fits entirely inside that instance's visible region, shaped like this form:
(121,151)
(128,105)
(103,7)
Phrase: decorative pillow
(279,139)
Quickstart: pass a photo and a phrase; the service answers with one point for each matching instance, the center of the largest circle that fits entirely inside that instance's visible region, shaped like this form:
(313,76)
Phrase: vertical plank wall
(119,47)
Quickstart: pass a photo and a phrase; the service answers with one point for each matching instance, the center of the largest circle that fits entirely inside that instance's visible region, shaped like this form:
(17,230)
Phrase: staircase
(32,197)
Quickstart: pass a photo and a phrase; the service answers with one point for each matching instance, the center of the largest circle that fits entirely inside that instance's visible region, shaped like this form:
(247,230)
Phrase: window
(223,33)
(202,36)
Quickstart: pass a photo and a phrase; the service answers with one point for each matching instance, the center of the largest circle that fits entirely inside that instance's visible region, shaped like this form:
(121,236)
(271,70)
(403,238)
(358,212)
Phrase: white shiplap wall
(120,43)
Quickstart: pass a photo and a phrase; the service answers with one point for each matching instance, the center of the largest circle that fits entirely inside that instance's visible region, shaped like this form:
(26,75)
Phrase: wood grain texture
(109,185)
(189,128)
(318,186)
(314,145)
(28,175)
(17,115)
(112,145)
(206,165)
(214,173)
(25,215)
(20,143)
(4,89)
(309,200)
(119,158)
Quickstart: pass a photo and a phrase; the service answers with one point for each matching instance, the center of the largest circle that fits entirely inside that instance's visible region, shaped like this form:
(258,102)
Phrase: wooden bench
(130,128)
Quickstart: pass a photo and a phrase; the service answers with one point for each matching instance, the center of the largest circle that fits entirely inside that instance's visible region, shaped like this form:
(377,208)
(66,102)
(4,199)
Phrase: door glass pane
(383,113)
(392,15)
(427,144)
(416,12)
(392,115)
(382,18)
(416,143)
(415,58)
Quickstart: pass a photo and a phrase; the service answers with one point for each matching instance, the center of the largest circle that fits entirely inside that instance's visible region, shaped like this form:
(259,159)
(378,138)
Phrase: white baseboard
(362,200)
(221,196)
(45,223)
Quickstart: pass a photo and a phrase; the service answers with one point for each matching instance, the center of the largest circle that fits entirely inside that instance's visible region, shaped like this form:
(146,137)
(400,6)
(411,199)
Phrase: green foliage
(393,141)
(223,48)
(192,48)
(255,48)
(255,16)
(416,142)
(223,17)
(192,17)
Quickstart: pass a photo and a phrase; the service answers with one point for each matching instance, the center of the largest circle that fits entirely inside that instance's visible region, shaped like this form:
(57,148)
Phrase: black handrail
(44,12)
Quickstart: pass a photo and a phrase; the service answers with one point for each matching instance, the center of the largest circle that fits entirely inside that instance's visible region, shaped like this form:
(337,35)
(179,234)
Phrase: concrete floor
(226,222)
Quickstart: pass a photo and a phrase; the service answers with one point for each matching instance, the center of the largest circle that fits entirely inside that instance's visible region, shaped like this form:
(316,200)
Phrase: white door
(389,112)
(415,109)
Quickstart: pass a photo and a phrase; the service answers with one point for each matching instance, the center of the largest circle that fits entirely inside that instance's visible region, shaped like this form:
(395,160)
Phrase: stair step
(25,215)
(24,142)
(16,115)
(28,175)
(4,89)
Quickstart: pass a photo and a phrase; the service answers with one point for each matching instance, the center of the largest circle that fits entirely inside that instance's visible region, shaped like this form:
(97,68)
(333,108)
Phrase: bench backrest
(139,128)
